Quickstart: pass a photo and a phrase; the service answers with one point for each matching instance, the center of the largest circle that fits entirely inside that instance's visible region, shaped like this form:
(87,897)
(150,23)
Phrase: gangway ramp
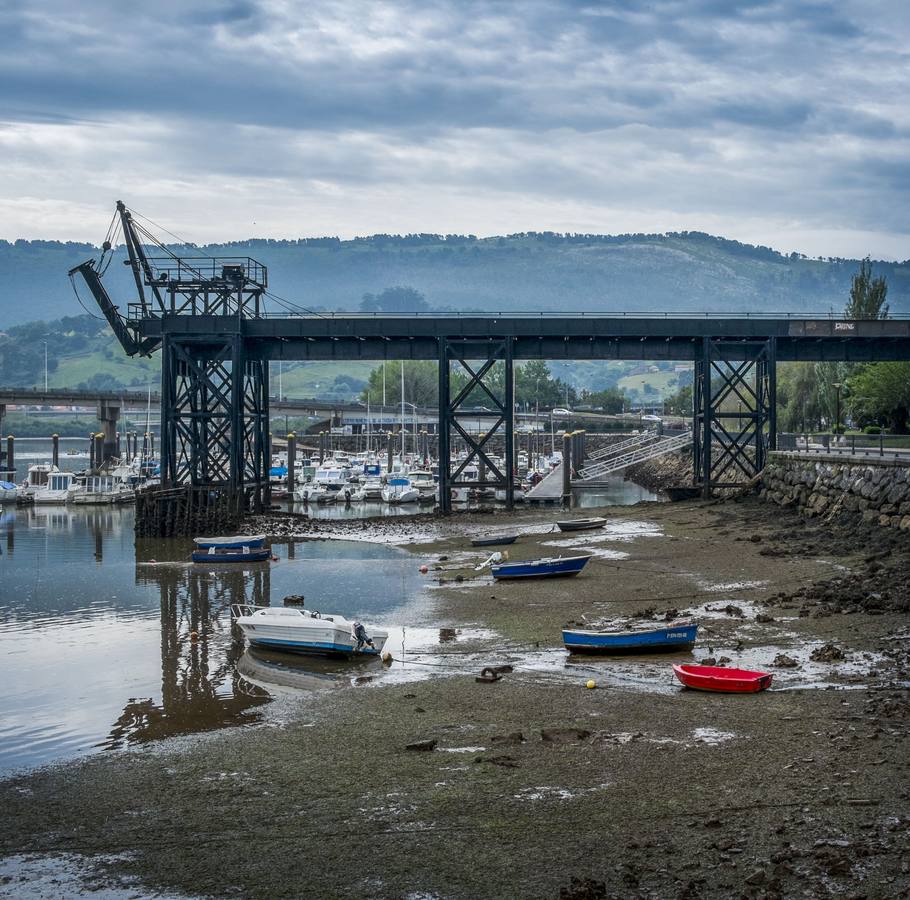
(646,450)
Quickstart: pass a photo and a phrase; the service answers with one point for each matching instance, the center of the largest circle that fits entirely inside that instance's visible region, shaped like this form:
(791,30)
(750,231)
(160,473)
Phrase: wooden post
(55,451)
(292,458)
(388,441)
(566,468)
(91,452)
(11,457)
(321,447)
(99,451)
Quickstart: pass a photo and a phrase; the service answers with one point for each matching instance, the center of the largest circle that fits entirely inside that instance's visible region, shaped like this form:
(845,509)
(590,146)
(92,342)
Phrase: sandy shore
(539,787)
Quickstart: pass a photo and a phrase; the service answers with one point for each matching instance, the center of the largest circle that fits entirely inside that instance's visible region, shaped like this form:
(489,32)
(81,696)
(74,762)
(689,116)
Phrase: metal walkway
(646,450)
(632,443)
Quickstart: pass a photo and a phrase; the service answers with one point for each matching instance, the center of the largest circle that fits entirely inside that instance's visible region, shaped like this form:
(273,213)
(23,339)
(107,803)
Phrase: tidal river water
(95,631)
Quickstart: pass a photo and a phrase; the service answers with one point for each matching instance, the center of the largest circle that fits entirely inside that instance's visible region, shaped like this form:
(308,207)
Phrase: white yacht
(61,487)
(36,478)
(400,490)
(423,480)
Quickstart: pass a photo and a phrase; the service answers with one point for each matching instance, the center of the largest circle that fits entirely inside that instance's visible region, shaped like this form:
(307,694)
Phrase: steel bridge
(207,316)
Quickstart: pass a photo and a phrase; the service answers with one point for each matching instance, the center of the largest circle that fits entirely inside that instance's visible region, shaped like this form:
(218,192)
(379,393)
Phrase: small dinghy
(549,567)
(232,555)
(643,639)
(253,541)
(581,524)
(494,540)
(307,631)
(718,678)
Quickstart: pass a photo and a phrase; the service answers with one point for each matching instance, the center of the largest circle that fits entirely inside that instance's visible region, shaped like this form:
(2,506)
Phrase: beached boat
(231,555)
(253,541)
(644,638)
(9,491)
(494,540)
(581,524)
(306,631)
(718,678)
(549,567)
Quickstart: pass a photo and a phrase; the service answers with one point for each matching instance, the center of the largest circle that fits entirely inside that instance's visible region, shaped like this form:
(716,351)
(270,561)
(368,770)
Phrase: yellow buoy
(591,684)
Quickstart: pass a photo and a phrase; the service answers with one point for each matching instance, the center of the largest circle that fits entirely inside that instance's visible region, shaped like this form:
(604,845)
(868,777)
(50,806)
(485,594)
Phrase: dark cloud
(682,107)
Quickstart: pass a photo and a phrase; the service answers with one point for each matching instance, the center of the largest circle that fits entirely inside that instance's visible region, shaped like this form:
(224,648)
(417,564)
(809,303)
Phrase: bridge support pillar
(108,416)
(734,411)
(214,417)
(496,356)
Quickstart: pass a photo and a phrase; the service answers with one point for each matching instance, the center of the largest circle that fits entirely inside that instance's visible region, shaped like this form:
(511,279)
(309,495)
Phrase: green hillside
(536,271)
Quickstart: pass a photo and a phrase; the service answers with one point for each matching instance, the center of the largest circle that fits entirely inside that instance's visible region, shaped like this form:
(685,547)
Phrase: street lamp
(837,386)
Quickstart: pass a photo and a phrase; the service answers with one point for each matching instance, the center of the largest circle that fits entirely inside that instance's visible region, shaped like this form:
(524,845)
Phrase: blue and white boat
(306,631)
(548,567)
(253,541)
(637,639)
(232,555)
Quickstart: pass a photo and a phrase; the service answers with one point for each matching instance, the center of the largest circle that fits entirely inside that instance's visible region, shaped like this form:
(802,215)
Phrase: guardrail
(862,445)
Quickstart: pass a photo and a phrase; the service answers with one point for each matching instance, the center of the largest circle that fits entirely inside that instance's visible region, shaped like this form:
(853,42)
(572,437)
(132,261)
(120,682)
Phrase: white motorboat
(400,490)
(101,490)
(36,478)
(61,487)
(232,542)
(371,489)
(423,480)
(306,631)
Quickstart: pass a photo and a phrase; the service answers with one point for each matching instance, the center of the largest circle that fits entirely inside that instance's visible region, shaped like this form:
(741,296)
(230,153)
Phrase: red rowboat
(718,678)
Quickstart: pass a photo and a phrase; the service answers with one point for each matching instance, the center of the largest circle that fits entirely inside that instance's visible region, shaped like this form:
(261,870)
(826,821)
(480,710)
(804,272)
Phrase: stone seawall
(831,485)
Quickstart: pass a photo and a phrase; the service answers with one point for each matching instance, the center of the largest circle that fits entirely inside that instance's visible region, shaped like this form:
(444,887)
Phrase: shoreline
(535,780)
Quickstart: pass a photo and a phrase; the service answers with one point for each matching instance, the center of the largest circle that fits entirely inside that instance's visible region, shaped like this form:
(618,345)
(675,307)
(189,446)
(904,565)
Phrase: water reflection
(200,685)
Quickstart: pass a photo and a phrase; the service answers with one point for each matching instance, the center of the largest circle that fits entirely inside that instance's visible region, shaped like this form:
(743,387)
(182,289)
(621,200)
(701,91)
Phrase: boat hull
(557,568)
(581,524)
(657,640)
(232,556)
(494,541)
(724,681)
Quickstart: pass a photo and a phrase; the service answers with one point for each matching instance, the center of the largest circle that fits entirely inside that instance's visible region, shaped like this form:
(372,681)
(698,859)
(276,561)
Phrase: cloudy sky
(783,122)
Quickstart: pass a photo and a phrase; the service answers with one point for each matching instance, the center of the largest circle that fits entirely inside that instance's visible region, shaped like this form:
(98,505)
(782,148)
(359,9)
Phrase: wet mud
(532,784)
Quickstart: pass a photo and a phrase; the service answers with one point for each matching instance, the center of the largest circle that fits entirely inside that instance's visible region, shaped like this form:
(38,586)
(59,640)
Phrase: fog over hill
(677,272)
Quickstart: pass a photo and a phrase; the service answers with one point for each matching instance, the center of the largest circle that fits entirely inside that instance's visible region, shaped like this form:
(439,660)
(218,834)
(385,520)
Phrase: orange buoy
(194,636)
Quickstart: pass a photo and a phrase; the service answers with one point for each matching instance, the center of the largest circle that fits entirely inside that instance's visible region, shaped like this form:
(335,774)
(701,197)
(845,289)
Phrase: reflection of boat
(548,567)
(278,672)
(581,524)
(304,631)
(494,540)
(643,639)
(718,678)
(253,541)
(231,555)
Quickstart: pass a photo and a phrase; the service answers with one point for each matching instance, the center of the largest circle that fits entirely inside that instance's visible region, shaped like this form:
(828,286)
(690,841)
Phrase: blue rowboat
(674,636)
(232,555)
(550,567)
(253,541)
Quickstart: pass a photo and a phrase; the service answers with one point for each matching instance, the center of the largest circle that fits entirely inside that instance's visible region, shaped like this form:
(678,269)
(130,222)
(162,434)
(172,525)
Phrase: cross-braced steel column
(485,379)
(214,415)
(734,410)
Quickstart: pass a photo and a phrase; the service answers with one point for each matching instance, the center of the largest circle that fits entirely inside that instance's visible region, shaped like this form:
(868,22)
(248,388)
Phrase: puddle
(722,587)
(712,736)
(547,792)
(52,877)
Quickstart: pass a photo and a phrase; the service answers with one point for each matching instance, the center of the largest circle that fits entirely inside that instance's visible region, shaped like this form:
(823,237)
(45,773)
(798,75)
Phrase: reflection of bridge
(200,686)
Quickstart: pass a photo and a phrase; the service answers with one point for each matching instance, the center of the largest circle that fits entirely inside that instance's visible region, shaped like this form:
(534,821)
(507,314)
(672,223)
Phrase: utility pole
(45,366)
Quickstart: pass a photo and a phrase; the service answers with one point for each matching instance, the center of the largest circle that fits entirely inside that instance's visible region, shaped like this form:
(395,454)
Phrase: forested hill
(687,271)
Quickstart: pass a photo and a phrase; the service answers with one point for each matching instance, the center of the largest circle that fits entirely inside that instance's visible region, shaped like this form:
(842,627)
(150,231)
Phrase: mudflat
(537,786)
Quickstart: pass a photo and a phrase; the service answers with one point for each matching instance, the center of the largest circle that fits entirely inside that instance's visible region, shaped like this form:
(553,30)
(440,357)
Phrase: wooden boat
(644,639)
(718,678)
(682,492)
(581,524)
(549,567)
(253,541)
(232,555)
(494,540)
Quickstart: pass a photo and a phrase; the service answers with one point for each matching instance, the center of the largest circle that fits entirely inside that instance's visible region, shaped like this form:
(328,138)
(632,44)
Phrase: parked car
(561,411)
